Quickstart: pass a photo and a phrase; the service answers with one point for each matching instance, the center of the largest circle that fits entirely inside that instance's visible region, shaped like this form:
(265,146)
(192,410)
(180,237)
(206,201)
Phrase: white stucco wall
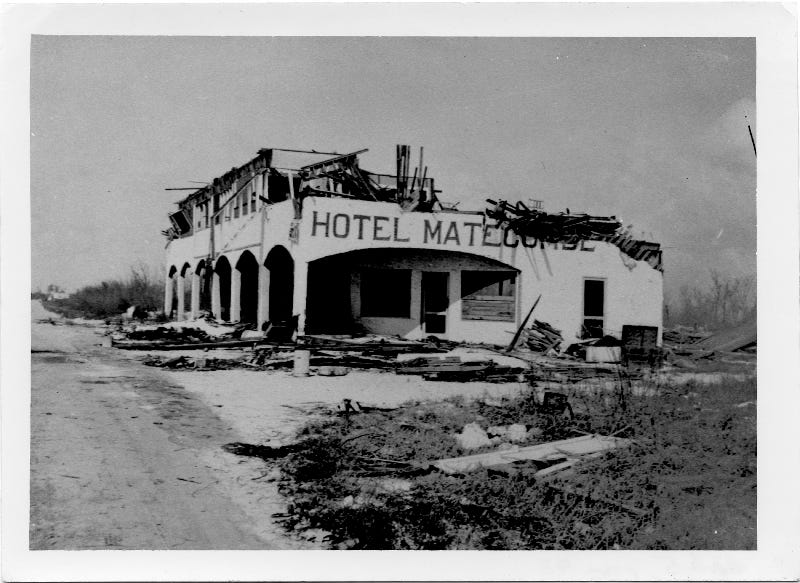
(330,226)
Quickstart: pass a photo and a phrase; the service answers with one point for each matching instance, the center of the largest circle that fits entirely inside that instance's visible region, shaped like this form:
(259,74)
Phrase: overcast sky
(651,130)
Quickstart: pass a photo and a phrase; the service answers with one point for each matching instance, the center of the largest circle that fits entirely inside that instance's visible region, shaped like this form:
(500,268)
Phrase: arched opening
(248,289)
(186,281)
(223,271)
(204,276)
(171,305)
(281,284)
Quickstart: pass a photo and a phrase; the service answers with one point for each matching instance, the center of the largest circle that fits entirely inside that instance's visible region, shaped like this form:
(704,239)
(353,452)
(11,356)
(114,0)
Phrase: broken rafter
(303,151)
(571,228)
(337,159)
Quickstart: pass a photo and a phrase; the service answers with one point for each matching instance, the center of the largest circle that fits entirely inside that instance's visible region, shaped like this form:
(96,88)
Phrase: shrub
(112,297)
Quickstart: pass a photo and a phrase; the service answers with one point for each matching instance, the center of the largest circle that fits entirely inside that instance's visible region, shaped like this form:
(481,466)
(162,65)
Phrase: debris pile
(276,175)
(571,228)
(453,368)
(200,333)
(172,335)
(741,337)
(541,337)
(686,348)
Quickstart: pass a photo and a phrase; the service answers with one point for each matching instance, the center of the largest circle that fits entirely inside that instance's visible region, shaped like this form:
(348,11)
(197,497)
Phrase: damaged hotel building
(313,240)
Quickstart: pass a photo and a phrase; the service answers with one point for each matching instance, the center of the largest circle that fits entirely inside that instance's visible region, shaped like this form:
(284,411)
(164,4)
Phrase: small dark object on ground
(556,404)
(261,451)
(280,331)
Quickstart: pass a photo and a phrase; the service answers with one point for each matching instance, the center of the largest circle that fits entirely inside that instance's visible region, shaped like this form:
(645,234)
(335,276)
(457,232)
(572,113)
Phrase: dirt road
(124,458)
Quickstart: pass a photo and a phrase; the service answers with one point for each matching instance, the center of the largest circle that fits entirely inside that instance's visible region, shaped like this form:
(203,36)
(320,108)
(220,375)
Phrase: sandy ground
(268,407)
(126,456)
(122,457)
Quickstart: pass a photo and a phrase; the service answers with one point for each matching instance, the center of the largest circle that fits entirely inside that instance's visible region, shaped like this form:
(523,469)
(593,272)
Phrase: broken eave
(571,228)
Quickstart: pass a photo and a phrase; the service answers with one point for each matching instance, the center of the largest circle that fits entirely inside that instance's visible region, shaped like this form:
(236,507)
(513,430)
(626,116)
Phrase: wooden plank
(577,447)
(523,325)
(445,367)
(135,345)
(488,309)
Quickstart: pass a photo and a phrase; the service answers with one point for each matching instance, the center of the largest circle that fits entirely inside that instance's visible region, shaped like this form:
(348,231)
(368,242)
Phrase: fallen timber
(303,343)
(236,343)
(564,454)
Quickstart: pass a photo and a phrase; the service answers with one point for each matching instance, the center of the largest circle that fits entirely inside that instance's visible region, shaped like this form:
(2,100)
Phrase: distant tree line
(724,301)
(142,288)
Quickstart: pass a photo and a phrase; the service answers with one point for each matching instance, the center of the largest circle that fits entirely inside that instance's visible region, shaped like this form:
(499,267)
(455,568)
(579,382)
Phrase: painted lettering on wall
(434,232)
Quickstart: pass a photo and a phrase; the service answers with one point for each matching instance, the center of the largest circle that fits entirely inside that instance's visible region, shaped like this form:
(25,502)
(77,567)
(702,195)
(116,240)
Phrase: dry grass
(689,482)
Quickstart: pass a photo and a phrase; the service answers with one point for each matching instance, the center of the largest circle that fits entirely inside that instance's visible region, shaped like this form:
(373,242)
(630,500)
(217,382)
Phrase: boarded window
(594,297)
(386,293)
(488,295)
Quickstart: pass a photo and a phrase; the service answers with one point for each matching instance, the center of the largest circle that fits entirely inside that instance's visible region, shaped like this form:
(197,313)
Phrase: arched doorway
(281,284)
(185,290)
(248,288)
(204,276)
(171,303)
(223,271)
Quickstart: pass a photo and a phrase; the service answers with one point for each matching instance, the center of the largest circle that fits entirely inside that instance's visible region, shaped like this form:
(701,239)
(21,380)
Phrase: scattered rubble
(542,337)
(510,473)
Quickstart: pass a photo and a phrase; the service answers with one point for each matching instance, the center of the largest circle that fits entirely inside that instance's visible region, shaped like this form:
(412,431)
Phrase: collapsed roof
(297,174)
(571,228)
(333,175)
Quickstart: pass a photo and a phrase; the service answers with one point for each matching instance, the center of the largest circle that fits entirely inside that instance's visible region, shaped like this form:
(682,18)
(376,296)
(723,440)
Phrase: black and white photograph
(442,290)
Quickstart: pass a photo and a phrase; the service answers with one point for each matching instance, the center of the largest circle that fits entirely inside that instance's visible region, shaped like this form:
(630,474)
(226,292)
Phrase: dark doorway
(186,275)
(328,309)
(223,270)
(205,285)
(248,289)
(281,284)
(594,293)
(435,299)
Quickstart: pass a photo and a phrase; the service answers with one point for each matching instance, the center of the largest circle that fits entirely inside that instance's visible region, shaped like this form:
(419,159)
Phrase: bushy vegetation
(724,301)
(687,482)
(110,298)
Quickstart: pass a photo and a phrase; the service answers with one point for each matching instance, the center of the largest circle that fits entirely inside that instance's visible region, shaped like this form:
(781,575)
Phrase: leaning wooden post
(522,326)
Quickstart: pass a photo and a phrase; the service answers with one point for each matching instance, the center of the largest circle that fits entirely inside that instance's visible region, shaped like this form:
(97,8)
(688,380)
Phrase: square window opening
(386,293)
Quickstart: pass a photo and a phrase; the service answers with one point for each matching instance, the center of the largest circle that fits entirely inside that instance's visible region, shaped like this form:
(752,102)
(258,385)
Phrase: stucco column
(181,289)
(168,297)
(263,295)
(195,307)
(300,292)
(454,301)
(416,303)
(215,301)
(236,286)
